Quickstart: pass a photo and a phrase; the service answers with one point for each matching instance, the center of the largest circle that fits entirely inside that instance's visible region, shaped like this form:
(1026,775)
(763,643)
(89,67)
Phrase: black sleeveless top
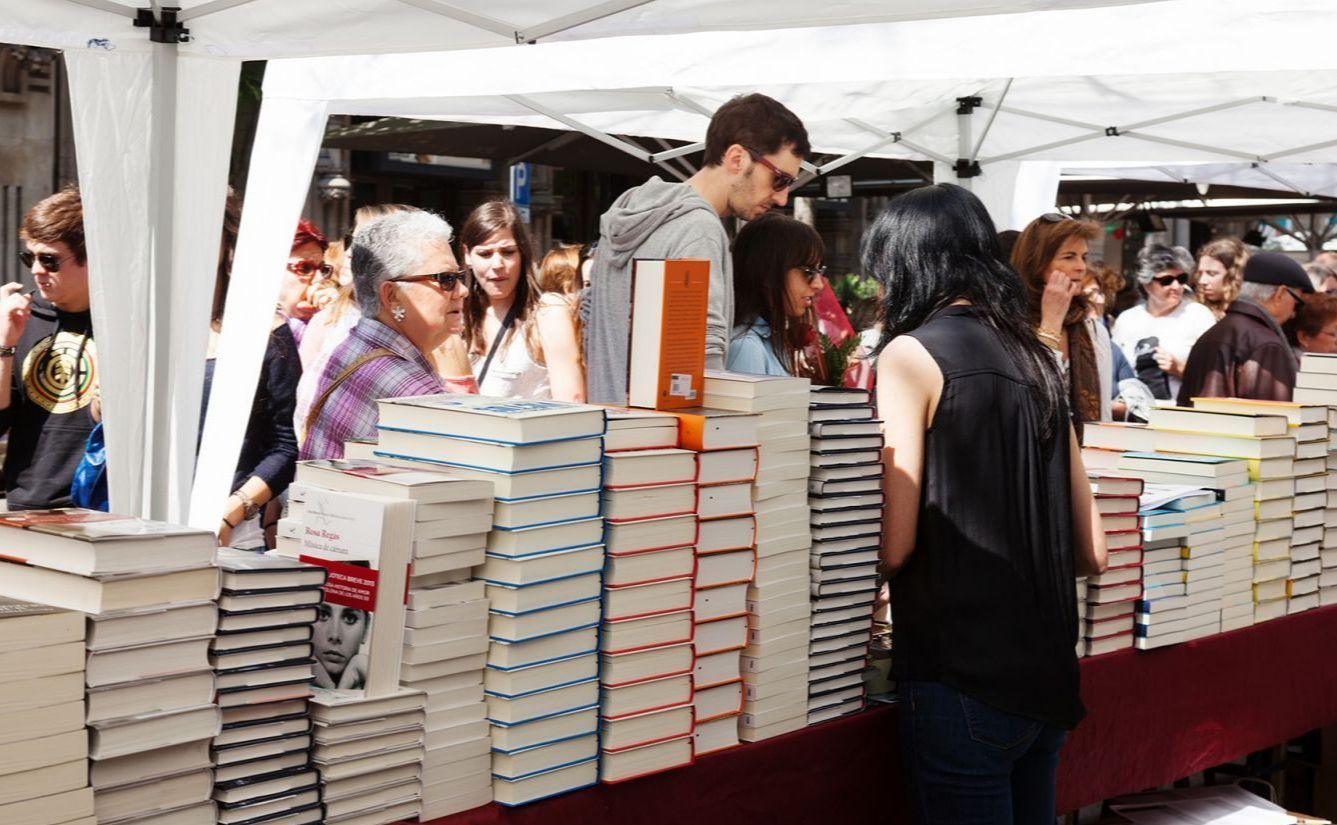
(986,603)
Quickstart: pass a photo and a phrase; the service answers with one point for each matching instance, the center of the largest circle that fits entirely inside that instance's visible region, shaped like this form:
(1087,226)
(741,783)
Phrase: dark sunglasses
(812,273)
(1166,280)
(445,280)
(1055,217)
(48,261)
(306,270)
(782,180)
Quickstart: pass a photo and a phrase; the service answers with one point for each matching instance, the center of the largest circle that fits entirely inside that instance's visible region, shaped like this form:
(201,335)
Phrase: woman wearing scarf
(1050,256)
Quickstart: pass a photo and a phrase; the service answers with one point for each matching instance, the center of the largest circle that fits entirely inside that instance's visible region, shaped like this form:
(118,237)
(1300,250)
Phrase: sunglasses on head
(1055,217)
(306,270)
(782,180)
(445,280)
(48,261)
(1166,280)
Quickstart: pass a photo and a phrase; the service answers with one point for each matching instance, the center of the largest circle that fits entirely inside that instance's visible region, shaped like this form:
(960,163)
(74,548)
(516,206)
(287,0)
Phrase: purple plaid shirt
(351,410)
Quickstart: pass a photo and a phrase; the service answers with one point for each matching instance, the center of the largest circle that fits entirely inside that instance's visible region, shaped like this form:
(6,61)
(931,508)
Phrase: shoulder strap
(506,324)
(319,404)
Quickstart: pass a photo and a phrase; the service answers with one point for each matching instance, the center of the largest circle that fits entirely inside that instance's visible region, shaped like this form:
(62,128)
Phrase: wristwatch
(249,508)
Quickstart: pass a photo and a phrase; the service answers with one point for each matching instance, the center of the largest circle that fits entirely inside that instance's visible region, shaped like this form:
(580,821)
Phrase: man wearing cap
(1246,354)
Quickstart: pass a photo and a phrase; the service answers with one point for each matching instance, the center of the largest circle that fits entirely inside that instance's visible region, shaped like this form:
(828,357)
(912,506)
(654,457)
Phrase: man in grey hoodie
(753,149)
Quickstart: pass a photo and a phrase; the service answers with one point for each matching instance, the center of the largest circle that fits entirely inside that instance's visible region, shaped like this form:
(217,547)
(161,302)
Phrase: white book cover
(366,544)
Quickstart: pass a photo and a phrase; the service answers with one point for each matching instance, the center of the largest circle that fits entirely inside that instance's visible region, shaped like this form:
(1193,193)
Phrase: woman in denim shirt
(777,270)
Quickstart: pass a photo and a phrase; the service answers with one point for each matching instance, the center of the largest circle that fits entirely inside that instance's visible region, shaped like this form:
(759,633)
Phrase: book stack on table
(1267,445)
(43,744)
(1106,602)
(645,651)
(263,656)
(725,442)
(846,544)
(775,661)
(1303,491)
(446,617)
(149,589)
(541,569)
(370,754)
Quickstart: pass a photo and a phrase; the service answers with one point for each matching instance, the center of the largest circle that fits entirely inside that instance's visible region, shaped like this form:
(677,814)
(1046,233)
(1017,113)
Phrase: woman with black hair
(777,271)
(990,516)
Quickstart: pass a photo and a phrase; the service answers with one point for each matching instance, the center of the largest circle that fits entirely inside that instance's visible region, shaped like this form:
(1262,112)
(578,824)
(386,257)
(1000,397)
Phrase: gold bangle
(1051,339)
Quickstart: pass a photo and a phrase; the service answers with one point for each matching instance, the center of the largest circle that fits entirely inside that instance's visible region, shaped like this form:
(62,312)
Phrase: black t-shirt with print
(55,379)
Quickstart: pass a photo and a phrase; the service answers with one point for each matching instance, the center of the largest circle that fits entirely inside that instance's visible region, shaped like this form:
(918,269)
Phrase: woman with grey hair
(411,292)
(1164,326)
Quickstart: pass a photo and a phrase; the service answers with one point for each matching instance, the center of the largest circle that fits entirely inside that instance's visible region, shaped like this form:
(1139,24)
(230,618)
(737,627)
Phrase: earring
(399,313)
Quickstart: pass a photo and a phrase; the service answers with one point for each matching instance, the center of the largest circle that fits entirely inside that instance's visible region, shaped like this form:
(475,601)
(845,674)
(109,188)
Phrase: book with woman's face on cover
(365,543)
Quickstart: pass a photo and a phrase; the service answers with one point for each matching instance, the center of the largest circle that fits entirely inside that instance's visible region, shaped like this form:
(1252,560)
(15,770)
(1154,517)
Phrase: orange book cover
(701,428)
(668,333)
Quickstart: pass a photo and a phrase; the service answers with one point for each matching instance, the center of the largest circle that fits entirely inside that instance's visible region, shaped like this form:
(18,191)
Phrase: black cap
(1276,269)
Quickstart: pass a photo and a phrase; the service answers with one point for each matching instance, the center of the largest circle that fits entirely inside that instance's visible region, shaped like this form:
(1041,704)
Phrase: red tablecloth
(1152,717)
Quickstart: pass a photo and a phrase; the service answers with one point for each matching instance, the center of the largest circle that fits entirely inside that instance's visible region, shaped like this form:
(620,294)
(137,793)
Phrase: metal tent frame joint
(967,105)
(967,168)
(164,27)
(1112,131)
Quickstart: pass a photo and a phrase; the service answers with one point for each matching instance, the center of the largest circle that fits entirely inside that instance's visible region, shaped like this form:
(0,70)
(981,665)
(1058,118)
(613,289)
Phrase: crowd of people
(993,349)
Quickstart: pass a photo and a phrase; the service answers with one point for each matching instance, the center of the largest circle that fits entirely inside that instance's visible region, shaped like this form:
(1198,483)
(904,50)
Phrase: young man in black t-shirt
(48,361)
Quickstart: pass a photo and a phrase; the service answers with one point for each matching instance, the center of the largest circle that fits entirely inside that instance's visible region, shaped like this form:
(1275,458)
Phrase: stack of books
(370,755)
(1183,566)
(645,650)
(263,656)
(1316,384)
(446,617)
(445,657)
(1303,493)
(846,545)
(43,744)
(149,588)
(725,442)
(543,557)
(1265,442)
(1106,614)
(1106,602)
(775,661)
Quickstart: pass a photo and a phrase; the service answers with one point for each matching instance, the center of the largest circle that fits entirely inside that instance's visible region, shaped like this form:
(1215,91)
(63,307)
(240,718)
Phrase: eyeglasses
(306,270)
(1297,297)
(48,261)
(782,180)
(812,273)
(445,280)
(1166,280)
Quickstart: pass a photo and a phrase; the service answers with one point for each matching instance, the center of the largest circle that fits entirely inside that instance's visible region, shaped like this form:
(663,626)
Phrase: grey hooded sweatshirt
(655,220)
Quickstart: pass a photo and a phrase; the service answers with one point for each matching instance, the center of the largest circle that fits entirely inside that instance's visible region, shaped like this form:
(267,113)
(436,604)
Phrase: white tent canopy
(153,111)
(153,127)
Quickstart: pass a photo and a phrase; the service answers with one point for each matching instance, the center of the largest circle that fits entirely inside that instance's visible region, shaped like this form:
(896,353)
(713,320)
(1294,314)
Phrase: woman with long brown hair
(522,342)
(1220,273)
(777,271)
(1050,256)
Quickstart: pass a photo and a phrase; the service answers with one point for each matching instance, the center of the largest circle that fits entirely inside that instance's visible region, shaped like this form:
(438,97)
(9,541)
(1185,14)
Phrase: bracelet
(249,507)
(7,352)
(230,525)
(1051,339)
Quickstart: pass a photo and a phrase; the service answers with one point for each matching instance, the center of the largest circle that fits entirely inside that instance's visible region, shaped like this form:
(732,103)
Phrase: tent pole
(478,21)
(577,19)
(988,124)
(572,123)
(678,152)
(966,167)
(162,210)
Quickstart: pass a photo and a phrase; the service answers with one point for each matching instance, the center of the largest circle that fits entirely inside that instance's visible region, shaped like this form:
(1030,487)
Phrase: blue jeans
(969,764)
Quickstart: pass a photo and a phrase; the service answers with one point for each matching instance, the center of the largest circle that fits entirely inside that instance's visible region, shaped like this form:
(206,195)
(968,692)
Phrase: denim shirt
(750,350)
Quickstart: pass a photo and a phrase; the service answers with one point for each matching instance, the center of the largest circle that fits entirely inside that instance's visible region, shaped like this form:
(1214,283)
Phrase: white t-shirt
(1177,331)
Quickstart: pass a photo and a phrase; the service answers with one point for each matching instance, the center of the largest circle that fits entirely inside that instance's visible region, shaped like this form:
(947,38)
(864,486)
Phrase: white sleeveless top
(513,372)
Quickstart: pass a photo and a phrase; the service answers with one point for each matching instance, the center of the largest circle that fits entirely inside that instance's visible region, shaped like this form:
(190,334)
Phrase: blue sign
(520,184)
